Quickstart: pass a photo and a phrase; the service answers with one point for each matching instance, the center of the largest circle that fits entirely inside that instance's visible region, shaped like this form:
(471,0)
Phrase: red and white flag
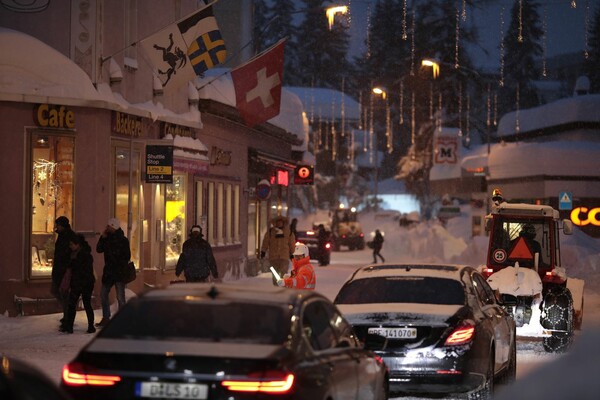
(258,84)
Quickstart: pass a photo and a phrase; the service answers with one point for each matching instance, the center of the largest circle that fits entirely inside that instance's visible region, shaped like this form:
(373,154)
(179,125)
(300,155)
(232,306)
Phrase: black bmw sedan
(226,341)
(438,328)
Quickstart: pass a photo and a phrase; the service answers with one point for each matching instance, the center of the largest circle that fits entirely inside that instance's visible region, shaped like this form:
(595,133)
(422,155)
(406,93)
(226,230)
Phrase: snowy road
(36,339)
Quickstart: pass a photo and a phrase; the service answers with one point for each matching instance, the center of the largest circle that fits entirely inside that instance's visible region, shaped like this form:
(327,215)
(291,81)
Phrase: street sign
(565,201)
(159,164)
(304,175)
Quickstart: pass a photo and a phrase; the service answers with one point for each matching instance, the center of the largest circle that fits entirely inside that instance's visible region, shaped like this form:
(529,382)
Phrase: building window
(228,213)
(175,233)
(236,214)
(127,195)
(221,220)
(52,167)
(210,237)
(200,213)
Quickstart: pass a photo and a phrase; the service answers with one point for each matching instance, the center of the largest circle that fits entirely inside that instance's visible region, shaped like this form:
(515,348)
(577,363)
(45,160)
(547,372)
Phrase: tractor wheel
(557,313)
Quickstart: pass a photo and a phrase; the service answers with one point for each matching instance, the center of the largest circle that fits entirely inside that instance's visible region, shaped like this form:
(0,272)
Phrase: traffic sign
(565,201)
(304,175)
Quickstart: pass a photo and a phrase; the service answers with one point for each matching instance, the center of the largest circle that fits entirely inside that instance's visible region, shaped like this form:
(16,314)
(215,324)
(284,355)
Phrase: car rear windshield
(421,290)
(200,320)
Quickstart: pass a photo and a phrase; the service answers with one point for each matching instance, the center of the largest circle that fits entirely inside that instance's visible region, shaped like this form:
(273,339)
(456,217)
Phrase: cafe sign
(159,164)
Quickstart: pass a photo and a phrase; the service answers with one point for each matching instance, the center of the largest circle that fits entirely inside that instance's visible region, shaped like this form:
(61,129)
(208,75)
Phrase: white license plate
(394,333)
(165,390)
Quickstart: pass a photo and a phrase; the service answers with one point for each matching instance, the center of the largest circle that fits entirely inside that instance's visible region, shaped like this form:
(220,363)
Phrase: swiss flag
(257,85)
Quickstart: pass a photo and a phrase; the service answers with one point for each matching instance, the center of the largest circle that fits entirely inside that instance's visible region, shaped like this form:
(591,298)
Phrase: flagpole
(104,59)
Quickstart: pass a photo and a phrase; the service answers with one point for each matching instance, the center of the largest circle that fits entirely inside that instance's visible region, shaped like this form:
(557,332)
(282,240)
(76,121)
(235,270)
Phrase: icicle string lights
(456,44)
(412,43)
(404,33)
(369,31)
(544,42)
(517,115)
(464,10)
(401,101)
(520,36)
(343,108)
(488,120)
(573,4)
(413,121)
(586,53)
(501,82)
(460,95)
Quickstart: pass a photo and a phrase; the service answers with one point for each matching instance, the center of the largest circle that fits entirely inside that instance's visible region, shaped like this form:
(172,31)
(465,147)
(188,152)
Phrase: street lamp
(332,11)
(435,66)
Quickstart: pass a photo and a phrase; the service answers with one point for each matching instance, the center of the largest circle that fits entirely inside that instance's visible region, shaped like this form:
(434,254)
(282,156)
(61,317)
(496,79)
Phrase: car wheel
(557,313)
(487,390)
(510,374)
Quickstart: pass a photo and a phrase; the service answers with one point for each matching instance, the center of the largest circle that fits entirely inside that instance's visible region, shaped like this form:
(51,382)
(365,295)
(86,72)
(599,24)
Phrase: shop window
(210,237)
(253,243)
(175,232)
(128,194)
(52,169)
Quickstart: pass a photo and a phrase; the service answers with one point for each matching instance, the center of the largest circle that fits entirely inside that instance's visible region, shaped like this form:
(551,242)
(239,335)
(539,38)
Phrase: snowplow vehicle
(346,230)
(523,265)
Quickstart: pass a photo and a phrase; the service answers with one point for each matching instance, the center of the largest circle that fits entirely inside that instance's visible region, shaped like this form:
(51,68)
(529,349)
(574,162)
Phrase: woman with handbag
(82,283)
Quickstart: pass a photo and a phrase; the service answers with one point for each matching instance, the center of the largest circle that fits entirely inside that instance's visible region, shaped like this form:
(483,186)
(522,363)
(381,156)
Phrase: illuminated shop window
(175,232)
(52,168)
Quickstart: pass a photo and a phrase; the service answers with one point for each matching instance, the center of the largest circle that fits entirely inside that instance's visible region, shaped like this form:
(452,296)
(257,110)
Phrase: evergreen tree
(593,62)
(523,50)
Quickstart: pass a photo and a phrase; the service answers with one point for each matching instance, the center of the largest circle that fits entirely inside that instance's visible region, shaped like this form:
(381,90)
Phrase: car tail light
(76,374)
(462,334)
(327,245)
(269,382)
(362,235)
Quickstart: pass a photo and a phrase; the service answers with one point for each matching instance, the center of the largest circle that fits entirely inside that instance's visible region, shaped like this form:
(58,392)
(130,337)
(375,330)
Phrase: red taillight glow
(448,372)
(461,335)
(277,383)
(75,375)
(327,245)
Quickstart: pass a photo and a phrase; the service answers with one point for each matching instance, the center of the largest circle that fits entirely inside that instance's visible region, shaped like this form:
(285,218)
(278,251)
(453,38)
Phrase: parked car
(22,381)
(439,328)
(318,251)
(226,341)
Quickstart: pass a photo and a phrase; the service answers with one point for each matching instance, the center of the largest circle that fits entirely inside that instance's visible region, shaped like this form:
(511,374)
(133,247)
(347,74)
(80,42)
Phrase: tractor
(346,230)
(523,265)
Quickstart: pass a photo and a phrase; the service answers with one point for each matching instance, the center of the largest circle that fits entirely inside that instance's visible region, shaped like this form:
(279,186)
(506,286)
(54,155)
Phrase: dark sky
(565,26)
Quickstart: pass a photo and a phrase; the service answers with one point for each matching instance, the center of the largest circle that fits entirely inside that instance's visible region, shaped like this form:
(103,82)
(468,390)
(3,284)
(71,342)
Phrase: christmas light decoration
(404,33)
(586,53)
(520,36)
(544,42)
(413,121)
(343,108)
(464,10)
(460,109)
(412,43)
(501,82)
(517,122)
(488,120)
(401,101)
(456,44)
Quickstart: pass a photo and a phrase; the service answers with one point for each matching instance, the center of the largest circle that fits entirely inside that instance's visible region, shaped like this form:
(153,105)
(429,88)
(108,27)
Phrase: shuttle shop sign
(159,164)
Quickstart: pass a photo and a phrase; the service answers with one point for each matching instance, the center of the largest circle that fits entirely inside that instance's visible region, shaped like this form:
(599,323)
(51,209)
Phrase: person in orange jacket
(303,275)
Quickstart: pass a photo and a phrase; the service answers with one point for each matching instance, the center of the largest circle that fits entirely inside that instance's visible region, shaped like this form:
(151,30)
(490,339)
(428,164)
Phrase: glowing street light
(434,65)
(380,91)
(332,11)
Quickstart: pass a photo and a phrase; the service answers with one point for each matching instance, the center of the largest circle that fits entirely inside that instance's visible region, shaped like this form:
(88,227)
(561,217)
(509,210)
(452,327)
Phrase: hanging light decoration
(440,113)
(333,132)
(573,4)
(371,131)
(368,31)
(502,49)
(460,109)
(544,42)
(413,122)
(517,107)
(388,126)
(456,44)
(520,36)
(401,101)
(431,101)
(464,10)
(412,44)
(404,33)
(468,121)
(495,108)
(488,120)
(343,109)
(586,53)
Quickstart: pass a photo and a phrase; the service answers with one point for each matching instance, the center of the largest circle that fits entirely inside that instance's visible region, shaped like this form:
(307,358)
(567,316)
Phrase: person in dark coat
(377,245)
(82,283)
(117,254)
(61,260)
(196,260)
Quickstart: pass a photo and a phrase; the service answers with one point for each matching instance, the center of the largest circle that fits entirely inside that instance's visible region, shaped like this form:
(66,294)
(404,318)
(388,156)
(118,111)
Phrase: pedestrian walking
(302,275)
(117,254)
(377,245)
(82,283)
(60,263)
(196,260)
(279,242)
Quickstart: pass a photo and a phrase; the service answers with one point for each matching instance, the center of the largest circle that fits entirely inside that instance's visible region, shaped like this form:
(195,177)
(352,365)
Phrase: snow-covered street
(36,338)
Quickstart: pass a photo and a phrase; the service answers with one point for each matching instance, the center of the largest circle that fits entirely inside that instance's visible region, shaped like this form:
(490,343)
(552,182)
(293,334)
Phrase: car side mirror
(567,226)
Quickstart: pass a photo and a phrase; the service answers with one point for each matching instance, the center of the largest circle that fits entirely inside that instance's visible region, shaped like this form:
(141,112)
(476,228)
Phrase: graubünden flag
(257,85)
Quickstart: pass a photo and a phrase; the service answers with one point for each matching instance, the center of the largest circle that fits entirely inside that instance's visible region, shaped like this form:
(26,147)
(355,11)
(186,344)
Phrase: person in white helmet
(303,275)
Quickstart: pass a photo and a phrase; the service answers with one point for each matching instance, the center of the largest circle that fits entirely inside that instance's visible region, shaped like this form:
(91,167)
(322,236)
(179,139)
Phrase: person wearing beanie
(196,260)
(115,247)
(61,260)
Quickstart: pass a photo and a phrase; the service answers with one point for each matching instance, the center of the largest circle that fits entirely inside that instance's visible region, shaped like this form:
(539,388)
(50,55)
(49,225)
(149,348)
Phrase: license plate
(163,390)
(394,333)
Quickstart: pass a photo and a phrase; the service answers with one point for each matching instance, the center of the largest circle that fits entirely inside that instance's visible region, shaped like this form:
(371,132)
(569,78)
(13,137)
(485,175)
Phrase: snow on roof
(30,67)
(327,103)
(568,110)
(562,158)
(218,86)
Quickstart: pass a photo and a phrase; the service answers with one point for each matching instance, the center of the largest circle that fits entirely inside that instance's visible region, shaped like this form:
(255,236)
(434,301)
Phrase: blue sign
(565,201)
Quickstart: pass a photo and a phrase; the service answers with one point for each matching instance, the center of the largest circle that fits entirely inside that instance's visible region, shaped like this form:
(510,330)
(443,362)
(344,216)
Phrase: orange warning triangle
(521,250)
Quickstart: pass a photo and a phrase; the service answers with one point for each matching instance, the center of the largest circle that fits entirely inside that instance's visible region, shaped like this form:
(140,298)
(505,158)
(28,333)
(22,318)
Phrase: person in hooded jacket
(279,242)
(61,260)
(302,275)
(196,261)
(117,254)
(82,283)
